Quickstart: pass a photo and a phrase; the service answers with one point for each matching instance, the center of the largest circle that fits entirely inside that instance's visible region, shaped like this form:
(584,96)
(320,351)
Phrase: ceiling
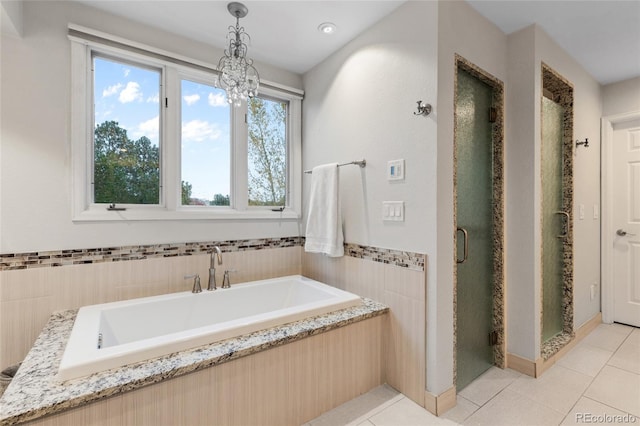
(283,33)
(603,36)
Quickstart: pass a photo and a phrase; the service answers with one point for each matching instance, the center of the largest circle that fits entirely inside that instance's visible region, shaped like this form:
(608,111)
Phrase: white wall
(621,97)
(35,202)
(11,17)
(523,186)
(464,31)
(358,104)
(522,215)
(587,110)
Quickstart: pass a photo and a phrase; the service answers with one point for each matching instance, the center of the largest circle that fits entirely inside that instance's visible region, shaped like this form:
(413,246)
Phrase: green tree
(186,193)
(267,152)
(126,171)
(220,200)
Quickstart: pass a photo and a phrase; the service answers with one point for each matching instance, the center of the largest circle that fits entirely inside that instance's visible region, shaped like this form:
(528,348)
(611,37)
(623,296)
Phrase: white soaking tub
(135,330)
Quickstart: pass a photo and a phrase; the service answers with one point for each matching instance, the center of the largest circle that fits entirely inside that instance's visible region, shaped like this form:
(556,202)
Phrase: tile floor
(598,382)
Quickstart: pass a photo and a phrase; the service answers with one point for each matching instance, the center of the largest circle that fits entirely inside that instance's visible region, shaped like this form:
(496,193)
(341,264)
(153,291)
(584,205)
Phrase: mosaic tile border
(49,259)
(45,259)
(562,91)
(403,259)
(498,317)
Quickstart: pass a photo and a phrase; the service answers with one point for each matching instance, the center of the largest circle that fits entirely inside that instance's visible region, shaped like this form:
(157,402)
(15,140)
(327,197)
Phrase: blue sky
(130,95)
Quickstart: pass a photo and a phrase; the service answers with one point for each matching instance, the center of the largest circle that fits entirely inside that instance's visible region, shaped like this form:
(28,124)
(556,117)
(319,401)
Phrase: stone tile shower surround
(562,91)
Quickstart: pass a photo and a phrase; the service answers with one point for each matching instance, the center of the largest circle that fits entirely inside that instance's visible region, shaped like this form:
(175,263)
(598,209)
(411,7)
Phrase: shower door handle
(465,254)
(566,227)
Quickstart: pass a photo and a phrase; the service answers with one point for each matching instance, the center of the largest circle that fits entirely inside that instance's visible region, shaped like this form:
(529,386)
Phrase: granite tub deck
(35,392)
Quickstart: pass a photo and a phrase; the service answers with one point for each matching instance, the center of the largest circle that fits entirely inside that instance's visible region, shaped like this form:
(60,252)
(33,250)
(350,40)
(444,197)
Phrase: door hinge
(493,114)
(166,102)
(493,338)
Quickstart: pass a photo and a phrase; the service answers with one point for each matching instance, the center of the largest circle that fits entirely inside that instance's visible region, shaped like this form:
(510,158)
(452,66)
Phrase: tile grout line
(582,395)
(377,410)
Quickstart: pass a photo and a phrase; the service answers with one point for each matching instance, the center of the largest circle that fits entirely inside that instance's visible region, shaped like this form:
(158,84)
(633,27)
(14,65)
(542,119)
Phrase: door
(555,221)
(474,221)
(626,222)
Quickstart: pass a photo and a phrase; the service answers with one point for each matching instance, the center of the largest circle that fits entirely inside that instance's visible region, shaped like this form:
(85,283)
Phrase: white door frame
(606,188)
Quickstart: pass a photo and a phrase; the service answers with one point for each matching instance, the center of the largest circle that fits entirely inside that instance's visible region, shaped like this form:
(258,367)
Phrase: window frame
(84,42)
(146,64)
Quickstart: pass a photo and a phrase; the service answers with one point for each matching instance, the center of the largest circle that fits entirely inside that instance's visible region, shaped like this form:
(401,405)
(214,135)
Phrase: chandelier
(237,77)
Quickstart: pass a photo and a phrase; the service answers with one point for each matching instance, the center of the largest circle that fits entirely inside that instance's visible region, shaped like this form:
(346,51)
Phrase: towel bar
(362,163)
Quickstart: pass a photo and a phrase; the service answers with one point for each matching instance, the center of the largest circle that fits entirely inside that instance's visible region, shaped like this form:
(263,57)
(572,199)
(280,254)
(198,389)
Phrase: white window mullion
(239,160)
(171,153)
(81,75)
(294,197)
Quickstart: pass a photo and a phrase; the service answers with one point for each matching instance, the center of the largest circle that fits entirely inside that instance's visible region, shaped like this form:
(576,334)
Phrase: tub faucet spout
(216,253)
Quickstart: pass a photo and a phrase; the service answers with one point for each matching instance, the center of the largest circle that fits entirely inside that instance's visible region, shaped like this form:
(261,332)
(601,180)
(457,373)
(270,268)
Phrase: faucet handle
(196,283)
(226,282)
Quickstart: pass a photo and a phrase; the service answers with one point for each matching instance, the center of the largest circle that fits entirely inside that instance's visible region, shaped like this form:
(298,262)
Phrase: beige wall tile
(29,296)
(20,324)
(276,386)
(404,291)
(406,282)
(24,284)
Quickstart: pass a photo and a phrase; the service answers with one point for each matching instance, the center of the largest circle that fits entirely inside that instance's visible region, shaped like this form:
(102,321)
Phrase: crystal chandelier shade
(238,77)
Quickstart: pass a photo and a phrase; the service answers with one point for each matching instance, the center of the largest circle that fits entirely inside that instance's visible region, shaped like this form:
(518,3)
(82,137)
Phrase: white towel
(324,221)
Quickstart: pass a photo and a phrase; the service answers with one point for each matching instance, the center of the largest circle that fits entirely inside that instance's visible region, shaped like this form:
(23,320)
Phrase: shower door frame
(498,310)
(562,90)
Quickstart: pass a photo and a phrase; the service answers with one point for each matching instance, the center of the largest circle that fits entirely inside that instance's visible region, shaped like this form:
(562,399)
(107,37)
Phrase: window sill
(101,214)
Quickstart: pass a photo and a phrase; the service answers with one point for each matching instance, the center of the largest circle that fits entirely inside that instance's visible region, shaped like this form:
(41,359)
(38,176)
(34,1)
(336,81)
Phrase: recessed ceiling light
(327,28)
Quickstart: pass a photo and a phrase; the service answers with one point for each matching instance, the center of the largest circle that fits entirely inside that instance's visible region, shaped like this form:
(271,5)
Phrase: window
(205,145)
(126,137)
(153,135)
(267,148)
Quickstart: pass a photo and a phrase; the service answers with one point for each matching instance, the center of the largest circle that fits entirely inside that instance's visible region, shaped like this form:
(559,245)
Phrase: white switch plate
(393,211)
(395,170)
(581,211)
(596,211)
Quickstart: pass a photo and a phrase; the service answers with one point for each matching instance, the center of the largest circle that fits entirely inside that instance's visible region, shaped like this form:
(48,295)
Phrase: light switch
(393,211)
(596,211)
(395,170)
(581,211)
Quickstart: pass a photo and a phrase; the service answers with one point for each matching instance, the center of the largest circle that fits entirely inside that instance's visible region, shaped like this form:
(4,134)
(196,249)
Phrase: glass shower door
(554,220)
(474,220)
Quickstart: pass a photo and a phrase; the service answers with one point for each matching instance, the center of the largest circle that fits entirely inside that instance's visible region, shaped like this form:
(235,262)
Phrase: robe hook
(585,142)
(423,109)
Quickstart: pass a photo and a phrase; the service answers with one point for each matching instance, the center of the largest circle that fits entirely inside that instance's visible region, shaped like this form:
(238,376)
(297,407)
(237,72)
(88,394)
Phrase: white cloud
(199,131)
(155,98)
(191,99)
(217,99)
(149,128)
(130,93)
(126,72)
(111,90)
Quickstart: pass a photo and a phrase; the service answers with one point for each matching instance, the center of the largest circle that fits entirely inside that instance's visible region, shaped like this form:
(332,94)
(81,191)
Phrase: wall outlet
(593,288)
(581,211)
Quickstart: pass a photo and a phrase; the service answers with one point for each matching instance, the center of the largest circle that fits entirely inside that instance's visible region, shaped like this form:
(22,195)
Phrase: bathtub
(115,334)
